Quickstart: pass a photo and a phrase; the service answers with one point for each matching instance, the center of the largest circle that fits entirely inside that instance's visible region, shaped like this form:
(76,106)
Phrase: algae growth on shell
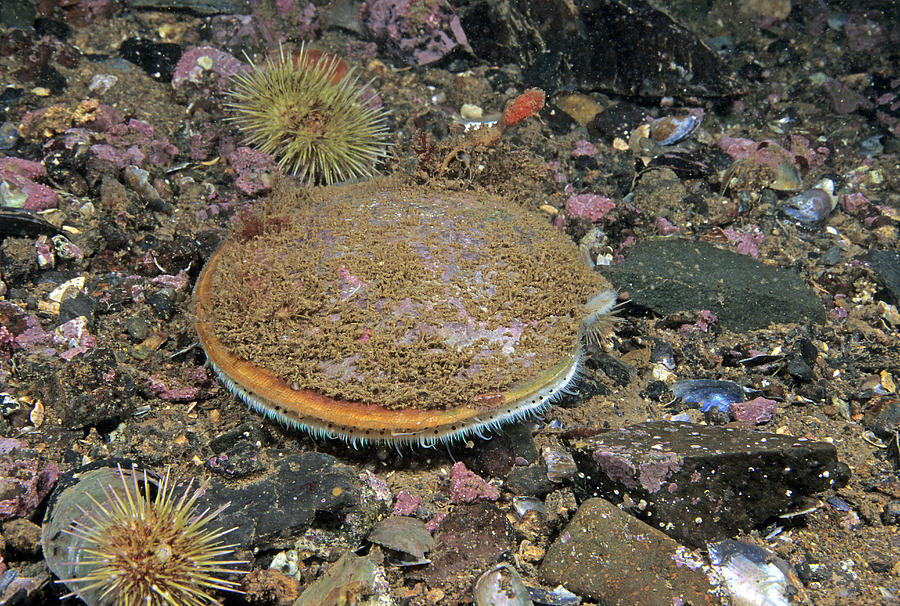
(399,298)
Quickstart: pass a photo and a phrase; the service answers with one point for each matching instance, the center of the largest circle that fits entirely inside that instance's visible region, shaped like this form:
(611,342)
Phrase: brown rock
(609,556)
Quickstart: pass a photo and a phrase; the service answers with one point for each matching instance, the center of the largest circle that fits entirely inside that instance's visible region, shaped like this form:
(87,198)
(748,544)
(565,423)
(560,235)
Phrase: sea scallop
(389,312)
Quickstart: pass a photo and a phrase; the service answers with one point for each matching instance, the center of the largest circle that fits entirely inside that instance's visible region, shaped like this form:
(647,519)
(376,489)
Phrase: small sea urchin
(148,551)
(309,111)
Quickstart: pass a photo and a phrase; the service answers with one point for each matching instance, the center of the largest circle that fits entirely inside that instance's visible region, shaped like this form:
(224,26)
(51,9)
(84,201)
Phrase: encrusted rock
(699,483)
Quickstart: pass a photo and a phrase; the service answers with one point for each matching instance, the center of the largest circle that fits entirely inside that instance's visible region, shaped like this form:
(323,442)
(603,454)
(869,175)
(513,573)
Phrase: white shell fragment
(501,586)
(755,576)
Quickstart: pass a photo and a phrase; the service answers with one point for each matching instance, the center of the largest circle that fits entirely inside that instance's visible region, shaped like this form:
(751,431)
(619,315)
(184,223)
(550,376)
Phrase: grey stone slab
(670,276)
(699,483)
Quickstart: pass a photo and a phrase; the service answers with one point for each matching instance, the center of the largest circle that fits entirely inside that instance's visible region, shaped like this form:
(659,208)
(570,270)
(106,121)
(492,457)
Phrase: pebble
(137,328)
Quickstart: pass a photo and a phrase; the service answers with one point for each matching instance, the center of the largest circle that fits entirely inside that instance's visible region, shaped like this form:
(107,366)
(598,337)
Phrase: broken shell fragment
(672,129)
(501,586)
(711,393)
(813,205)
(754,575)
(405,535)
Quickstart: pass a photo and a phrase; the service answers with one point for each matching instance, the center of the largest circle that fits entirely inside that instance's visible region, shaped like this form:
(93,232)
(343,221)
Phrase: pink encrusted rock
(468,487)
(796,151)
(664,227)
(406,504)
(853,203)
(171,394)
(254,168)
(589,206)
(198,61)
(747,240)
(584,147)
(23,481)
(417,31)
(19,174)
(755,411)
(75,337)
(177,282)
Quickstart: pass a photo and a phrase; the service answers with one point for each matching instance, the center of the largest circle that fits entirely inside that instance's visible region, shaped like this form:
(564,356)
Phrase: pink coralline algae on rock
(406,504)
(18,185)
(199,62)
(255,170)
(753,412)
(74,336)
(589,206)
(468,487)
(123,143)
(746,240)
(664,227)
(190,385)
(417,31)
(796,150)
(23,482)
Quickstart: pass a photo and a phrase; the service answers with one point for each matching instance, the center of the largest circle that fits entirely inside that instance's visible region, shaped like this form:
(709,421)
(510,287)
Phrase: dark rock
(137,328)
(18,260)
(608,556)
(559,506)
(799,369)
(832,256)
(670,276)
(617,121)
(491,457)
(622,46)
(17,13)
(890,515)
(158,59)
(162,303)
(302,490)
(703,483)
(521,436)
(50,78)
(45,26)
(471,538)
(239,461)
(883,418)
(810,571)
(615,369)
(202,7)
(93,389)
(23,536)
(529,481)
(79,305)
(886,265)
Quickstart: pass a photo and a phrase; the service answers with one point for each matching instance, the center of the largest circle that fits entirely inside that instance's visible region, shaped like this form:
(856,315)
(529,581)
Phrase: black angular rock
(625,47)
(88,393)
(301,490)
(158,59)
(703,483)
(670,276)
(886,265)
(80,305)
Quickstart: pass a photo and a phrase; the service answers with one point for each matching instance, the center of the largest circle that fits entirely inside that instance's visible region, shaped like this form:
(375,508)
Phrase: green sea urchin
(134,549)
(310,113)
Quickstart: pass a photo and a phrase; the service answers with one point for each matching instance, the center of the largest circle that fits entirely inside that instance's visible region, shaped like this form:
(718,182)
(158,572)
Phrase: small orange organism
(522,107)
